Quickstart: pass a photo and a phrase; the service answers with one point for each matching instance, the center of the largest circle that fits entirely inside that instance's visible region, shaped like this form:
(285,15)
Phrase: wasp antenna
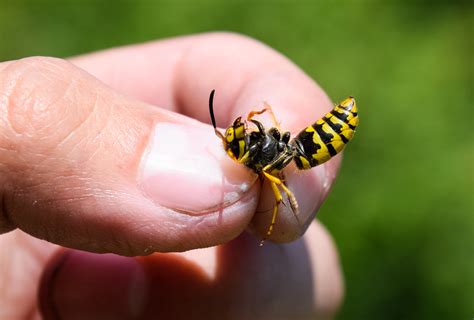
(211,109)
(260,127)
(213,119)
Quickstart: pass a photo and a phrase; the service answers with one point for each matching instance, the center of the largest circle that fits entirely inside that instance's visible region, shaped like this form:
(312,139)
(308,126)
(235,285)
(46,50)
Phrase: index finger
(180,73)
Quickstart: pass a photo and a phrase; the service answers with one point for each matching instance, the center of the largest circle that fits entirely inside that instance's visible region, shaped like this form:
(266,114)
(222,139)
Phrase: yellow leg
(278,199)
(291,196)
(274,183)
(291,200)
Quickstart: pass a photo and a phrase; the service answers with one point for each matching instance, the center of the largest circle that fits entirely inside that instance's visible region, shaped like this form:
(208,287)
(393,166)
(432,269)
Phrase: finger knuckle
(245,45)
(29,90)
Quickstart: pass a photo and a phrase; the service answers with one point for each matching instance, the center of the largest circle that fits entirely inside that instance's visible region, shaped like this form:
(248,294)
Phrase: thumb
(84,167)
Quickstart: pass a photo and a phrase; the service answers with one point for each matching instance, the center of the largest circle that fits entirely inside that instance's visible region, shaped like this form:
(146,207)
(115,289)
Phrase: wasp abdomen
(326,137)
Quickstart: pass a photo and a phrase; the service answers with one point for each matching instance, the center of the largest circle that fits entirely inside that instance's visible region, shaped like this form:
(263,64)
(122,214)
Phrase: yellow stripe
(239,132)
(317,140)
(339,109)
(322,154)
(305,163)
(343,111)
(229,152)
(335,120)
(336,141)
(326,128)
(338,145)
(354,121)
(229,134)
(348,133)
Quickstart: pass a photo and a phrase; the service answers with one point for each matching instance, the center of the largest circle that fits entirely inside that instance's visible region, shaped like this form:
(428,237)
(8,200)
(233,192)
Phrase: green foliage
(402,209)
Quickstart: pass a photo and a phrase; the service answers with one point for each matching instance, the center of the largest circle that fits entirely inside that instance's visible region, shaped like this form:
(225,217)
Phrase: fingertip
(75,148)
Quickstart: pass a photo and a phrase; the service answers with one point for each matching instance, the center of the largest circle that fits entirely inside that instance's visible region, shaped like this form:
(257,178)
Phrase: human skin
(112,152)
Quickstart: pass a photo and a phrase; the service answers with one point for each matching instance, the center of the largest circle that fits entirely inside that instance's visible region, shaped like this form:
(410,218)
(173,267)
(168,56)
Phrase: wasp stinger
(268,152)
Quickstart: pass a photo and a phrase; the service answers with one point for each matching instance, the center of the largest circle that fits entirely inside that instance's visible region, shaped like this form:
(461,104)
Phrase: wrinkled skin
(79,144)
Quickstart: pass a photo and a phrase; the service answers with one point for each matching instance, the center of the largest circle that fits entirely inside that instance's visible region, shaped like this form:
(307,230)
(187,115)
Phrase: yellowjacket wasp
(267,152)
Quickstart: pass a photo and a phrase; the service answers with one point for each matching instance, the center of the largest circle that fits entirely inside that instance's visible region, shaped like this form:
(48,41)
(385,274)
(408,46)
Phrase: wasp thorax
(268,149)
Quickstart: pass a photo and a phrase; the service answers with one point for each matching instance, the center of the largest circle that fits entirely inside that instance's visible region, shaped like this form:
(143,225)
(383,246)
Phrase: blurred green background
(402,210)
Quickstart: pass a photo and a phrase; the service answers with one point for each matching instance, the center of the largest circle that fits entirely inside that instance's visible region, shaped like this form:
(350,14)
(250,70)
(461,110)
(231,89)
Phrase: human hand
(96,167)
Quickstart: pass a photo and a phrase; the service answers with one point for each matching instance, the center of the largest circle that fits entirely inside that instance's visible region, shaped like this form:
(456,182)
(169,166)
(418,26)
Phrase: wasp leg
(292,200)
(267,108)
(278,200)
(275,182)
(270,110)
(254,113)
(291,196)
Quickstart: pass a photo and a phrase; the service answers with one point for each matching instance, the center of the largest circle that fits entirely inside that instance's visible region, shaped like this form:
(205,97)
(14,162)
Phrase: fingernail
(185,168)
(84,285)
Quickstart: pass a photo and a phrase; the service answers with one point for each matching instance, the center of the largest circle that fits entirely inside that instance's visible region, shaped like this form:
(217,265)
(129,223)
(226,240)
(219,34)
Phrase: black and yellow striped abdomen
(326,137)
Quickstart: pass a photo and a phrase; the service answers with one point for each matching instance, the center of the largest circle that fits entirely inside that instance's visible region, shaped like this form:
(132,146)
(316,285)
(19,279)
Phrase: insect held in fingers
(268,152)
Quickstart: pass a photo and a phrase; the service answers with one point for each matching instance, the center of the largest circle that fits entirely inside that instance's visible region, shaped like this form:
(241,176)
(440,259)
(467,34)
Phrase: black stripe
(344,139)
(235,148)
(341,116)
(335,126)
(351,126)
(326,137)
(331,150)
(306,147)
(298,162)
